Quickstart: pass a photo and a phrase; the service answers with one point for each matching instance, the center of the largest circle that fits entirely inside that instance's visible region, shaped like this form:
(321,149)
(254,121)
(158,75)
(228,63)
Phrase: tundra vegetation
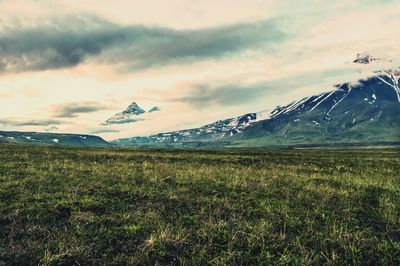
(199,207)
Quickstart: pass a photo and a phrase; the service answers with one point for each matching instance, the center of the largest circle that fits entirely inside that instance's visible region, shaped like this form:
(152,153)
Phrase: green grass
(217,207)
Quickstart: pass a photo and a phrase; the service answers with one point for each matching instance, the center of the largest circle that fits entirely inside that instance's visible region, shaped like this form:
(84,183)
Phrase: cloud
(21,123)
(62,43)
(205,95)
(122,121)
(154,109)
(74,109)
(69,41)
(51,129)
(230,68)
(100,131)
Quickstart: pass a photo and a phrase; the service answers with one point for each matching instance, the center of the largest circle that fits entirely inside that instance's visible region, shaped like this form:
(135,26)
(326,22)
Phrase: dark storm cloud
(62,43)
(74,109)
(67,42)
(44,122)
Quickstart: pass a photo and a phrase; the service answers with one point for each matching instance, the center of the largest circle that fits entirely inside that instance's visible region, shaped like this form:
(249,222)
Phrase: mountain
(17,137)
(366,112)
(129,115)
(363,112)
(210,132)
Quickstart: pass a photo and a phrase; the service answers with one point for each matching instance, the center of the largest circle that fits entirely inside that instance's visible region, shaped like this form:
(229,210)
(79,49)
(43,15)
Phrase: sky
(66,66)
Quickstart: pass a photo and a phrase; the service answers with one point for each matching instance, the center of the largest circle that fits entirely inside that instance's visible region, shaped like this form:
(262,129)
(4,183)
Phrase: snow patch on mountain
(394,77)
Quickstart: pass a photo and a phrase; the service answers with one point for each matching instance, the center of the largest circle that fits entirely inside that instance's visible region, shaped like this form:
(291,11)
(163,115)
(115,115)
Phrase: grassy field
(217,207)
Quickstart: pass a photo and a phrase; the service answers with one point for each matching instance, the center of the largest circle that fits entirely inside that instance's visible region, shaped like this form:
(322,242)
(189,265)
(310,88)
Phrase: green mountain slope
(16,137)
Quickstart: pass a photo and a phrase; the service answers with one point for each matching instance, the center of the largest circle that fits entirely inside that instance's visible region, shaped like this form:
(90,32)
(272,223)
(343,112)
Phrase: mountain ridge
(370,104)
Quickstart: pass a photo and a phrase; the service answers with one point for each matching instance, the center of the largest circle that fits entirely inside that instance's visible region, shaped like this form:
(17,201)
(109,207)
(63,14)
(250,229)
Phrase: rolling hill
(16,137)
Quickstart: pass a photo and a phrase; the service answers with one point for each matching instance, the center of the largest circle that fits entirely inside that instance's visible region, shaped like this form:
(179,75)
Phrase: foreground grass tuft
(104,206)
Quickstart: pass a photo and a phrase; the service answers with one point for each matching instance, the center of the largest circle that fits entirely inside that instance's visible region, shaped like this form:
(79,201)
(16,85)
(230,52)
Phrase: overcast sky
(69,65)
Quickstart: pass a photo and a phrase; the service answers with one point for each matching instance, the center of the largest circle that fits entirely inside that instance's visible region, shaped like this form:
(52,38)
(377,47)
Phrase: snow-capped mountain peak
(129,115)
(390,77)
(134,109)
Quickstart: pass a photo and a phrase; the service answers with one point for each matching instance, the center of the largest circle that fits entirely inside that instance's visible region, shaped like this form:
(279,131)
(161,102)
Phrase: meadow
(77,206)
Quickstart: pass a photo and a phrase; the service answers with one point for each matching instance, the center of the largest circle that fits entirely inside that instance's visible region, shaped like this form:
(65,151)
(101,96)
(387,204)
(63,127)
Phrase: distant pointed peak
(134,105)
(134,108)
(129,115)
